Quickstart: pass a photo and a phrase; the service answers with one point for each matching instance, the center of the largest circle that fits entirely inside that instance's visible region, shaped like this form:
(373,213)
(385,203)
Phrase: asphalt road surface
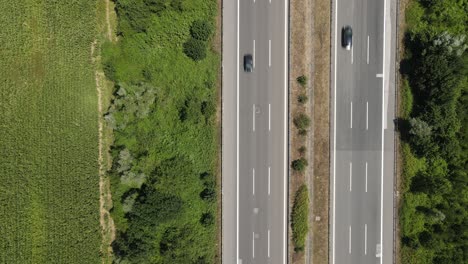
(363,103)
(254,132)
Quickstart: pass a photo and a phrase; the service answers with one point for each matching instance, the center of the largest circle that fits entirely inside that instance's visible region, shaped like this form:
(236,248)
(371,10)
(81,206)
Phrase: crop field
(49,194)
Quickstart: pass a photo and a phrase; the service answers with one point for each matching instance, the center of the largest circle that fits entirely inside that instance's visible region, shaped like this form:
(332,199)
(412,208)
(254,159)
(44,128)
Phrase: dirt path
(104,160)
(109,30)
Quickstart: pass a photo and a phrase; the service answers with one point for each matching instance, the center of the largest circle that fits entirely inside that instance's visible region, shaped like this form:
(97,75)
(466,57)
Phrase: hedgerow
(300,218)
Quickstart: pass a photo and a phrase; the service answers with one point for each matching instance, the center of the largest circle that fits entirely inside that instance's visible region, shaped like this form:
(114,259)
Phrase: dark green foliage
(300,218)
(109,70)
(302,98)
(302,80)
(299,164)
(201,30)
(207,219)
(195,49)
(302,150)
(162,115)
(433,216)
(301,121)
(302,132)
(137,15)
(209,187)
(155,207)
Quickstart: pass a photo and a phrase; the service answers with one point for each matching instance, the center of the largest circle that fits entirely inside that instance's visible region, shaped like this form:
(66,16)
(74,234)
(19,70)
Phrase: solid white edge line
(237,138)
(350,176)
(351,115)
(365,239)
(334,136)
(285,215)
(269,117)
(367,115)
(366,176)
(367,49)
(253,181)
(352,54)
(269,53)
(253,117)
(268,243)
(382,157)
(254,53)
(253,245)
(268,180)
(349,240)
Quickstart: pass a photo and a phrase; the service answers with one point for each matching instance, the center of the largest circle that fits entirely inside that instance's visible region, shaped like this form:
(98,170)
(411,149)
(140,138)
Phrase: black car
(347,37)
(248,63)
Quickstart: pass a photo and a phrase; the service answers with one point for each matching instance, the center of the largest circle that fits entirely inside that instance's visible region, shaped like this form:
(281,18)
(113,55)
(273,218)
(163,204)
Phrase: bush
(299,164)
(302,150)
(195,49)
(302,80)
(300,218)
(302,132)
(301,121)
(201,30)
(302,98)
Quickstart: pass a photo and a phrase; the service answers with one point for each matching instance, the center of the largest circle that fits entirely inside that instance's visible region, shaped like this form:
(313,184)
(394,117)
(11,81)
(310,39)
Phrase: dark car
(347,37)
(248,63)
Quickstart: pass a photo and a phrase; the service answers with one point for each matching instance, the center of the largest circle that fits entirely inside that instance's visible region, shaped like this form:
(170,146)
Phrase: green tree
(420,136)
(302,80)
(301,121)
(299,164)
(302,98)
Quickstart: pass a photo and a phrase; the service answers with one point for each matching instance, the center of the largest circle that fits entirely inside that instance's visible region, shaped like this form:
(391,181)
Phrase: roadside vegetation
(163,116)
(434,132)
(300,208)
(300,218)
(49,195)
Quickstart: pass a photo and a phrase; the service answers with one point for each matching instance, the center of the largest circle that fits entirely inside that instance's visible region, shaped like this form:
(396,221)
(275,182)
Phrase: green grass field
(49,195)
(166,134)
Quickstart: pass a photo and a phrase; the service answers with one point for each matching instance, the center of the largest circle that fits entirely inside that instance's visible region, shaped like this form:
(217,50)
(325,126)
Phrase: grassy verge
(165,153)
(300,117)
(321,161)
(48,163)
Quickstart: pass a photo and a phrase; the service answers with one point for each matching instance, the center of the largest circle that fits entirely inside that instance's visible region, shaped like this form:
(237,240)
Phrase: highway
(363,101)
(254,140)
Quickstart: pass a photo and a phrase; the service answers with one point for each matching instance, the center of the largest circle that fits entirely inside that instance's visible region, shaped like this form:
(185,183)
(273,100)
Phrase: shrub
(301,121)
(302,80)
(302,98)
(302,132)
(302,150)
(300,218)
(201,30)
(299,164)
(207,219)
(195,49)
